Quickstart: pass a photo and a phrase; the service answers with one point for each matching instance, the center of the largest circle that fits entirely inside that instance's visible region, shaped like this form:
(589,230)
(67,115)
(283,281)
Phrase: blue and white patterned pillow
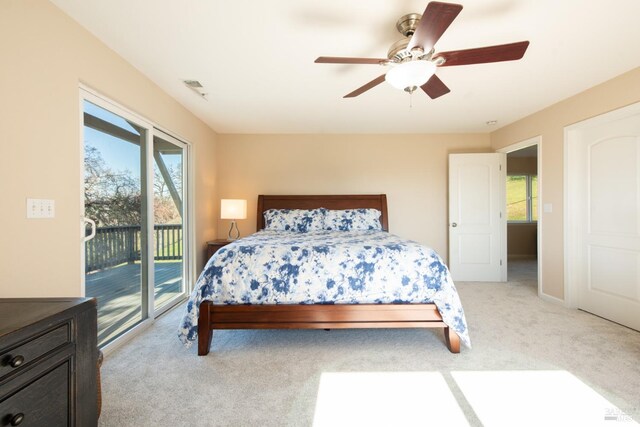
(352,219)
(298,220)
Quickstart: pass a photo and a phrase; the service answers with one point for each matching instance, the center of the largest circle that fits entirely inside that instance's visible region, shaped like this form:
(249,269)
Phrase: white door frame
(571,238)
(536,140)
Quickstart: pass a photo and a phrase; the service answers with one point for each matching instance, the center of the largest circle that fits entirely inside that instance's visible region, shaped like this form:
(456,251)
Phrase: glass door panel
(115,199)
(168,205)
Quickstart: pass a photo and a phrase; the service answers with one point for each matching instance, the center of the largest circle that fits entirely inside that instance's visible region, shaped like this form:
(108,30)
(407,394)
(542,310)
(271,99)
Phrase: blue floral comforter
(330,267)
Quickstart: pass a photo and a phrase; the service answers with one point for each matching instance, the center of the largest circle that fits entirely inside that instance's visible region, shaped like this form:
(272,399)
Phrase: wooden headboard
(357,201)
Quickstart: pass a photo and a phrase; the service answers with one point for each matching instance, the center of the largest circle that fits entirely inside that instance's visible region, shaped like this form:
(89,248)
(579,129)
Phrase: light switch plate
(548,208)
(41,208)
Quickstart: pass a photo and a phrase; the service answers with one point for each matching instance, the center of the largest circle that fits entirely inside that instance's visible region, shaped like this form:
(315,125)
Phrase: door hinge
(500,214)
(500,167)
(500,262)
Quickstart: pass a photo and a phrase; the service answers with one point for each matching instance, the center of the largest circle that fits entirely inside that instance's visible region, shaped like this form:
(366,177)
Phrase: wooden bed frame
(320,316)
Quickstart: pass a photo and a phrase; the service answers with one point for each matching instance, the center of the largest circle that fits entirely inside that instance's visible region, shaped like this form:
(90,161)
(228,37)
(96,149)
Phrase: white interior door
(476,219)
(604,209)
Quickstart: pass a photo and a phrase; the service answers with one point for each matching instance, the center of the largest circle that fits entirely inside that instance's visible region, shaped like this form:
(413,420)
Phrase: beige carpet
(532,363)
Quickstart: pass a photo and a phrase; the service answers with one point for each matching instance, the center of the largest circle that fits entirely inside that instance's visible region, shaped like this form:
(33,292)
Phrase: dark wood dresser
(48,362)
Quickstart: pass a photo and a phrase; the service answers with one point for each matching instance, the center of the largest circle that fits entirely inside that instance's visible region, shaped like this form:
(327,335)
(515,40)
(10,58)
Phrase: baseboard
(125,337)
(549,298)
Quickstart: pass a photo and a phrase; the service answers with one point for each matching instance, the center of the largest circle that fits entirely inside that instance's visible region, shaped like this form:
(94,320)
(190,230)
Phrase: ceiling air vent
(197,87)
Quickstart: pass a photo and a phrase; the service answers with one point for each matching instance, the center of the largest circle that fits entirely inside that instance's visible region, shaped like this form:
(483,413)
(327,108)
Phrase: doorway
(523,213)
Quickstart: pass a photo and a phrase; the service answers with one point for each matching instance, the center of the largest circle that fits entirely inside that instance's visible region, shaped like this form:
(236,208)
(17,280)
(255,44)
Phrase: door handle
(92,223)
(453,224)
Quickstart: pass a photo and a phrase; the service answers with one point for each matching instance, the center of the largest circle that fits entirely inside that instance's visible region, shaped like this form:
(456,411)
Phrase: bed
(209,308)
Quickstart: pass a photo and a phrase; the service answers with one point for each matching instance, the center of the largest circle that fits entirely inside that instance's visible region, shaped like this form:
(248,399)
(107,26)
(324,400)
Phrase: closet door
(603,203)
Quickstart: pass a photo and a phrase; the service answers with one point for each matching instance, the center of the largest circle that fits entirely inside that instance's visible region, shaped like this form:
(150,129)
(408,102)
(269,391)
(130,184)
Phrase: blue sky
(118,154)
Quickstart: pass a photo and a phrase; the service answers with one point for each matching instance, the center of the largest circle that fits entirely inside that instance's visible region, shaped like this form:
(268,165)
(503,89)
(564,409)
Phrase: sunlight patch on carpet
(537,398)
(386,399)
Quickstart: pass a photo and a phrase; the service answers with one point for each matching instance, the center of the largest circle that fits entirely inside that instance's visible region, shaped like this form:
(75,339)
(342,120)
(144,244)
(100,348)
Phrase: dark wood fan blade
(347,60)
(434,22)
(435,88)
(483,55)
(373,83)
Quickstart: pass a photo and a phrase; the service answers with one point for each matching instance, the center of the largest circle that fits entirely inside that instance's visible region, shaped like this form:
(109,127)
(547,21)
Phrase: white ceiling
(255,59)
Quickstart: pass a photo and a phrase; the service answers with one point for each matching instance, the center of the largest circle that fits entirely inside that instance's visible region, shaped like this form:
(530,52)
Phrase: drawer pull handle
(16,361)
(17,419)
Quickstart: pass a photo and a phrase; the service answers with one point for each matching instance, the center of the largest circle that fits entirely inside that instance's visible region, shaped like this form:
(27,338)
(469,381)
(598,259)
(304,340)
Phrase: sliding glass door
(134,208)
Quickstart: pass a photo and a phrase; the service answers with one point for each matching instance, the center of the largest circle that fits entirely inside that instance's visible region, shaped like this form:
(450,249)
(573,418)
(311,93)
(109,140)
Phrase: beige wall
(45,55)
(522,240)
(410,169)
(549,123)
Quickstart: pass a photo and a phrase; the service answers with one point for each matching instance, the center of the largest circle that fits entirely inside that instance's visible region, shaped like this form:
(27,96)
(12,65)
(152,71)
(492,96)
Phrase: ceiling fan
(413,60)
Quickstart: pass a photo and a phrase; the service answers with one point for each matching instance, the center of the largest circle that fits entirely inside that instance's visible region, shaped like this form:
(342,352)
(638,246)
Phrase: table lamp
(233,209)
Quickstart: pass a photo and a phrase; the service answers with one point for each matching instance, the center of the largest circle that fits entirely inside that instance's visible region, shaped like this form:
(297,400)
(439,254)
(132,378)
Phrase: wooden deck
(117,290)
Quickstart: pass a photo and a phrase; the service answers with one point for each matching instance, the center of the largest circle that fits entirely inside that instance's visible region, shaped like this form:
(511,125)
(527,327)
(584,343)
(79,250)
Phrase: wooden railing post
(131,255)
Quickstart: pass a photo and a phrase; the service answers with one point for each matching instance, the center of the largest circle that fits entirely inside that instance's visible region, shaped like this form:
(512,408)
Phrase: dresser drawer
(15,358)
(44,402)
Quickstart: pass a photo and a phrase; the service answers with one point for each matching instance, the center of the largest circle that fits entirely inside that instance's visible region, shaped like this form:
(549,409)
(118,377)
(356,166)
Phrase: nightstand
(214,245)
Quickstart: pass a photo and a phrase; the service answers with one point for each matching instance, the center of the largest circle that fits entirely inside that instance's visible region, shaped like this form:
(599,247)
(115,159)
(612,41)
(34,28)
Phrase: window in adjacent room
(522,198)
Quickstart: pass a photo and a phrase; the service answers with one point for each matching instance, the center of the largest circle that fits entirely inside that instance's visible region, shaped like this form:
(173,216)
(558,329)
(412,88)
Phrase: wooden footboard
(318,316)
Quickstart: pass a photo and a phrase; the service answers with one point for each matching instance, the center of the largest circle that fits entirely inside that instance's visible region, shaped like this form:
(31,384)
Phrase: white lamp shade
(410,74)
(233,209)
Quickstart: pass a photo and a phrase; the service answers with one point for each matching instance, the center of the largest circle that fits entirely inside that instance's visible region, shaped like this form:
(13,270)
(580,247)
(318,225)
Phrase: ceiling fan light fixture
(410,75)
(413,59)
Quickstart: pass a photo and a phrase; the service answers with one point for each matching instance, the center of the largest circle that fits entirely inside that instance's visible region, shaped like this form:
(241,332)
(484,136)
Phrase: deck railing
(121,244)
